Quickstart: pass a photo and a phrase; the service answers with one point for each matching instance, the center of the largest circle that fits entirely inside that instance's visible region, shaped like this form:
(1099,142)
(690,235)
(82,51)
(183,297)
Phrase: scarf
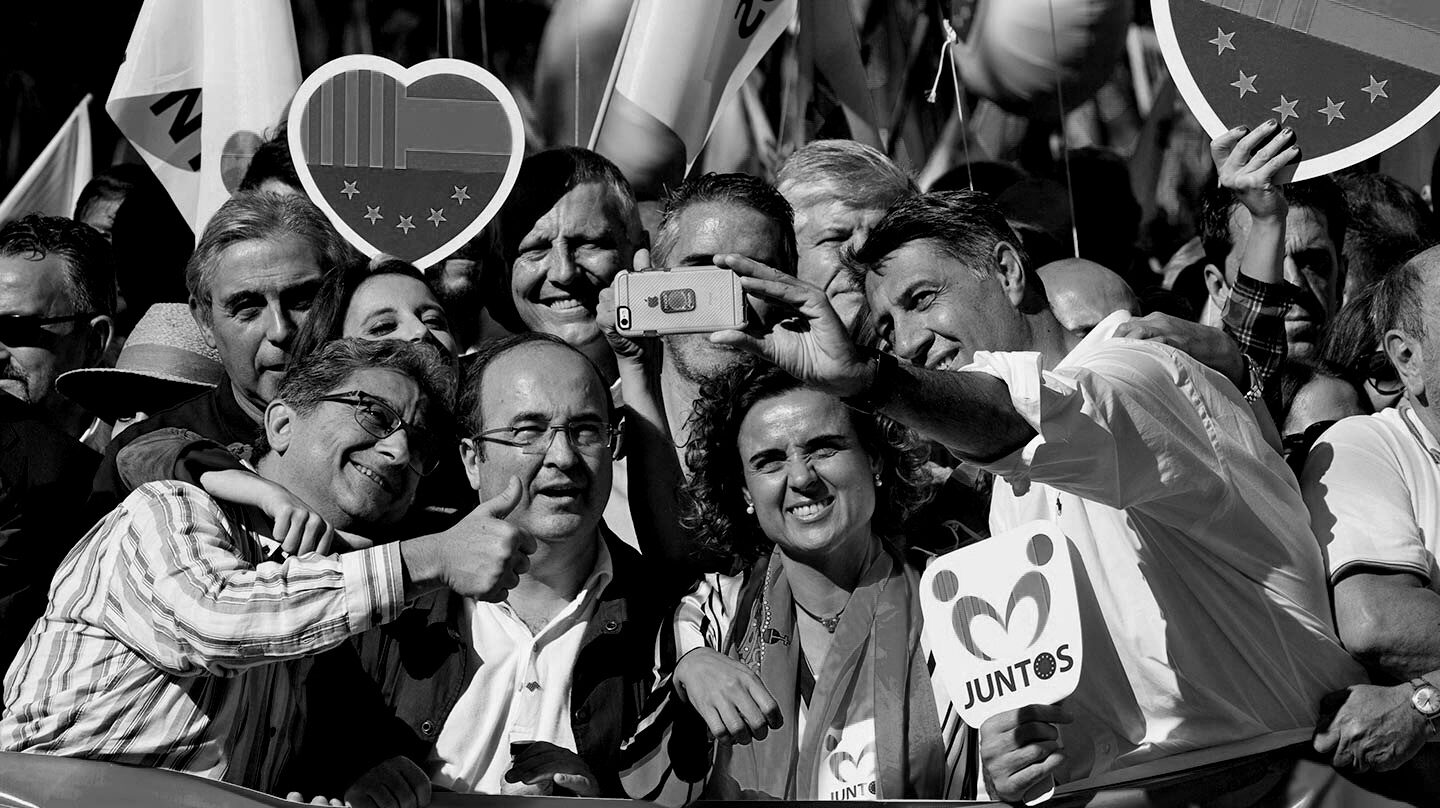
(872,705)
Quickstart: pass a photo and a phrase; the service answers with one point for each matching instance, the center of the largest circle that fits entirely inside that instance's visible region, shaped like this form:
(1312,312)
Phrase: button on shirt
(1207,628)
(520,691)
(1374,494)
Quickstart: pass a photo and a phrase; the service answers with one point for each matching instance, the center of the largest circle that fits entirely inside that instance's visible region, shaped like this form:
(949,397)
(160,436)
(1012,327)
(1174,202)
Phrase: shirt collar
(1103,330)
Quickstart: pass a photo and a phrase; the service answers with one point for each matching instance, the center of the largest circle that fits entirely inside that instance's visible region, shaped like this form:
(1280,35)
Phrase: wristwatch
(1425,699)
(881,385)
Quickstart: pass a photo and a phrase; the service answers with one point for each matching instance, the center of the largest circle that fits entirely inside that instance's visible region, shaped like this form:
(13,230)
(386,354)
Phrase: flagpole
(614,75)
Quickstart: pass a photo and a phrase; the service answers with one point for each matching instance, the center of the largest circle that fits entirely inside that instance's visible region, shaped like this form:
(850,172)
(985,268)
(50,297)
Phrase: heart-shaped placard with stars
(1351,77)
(411,162)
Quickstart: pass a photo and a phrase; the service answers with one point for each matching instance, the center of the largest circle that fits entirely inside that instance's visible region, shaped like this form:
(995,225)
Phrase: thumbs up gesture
(481,557)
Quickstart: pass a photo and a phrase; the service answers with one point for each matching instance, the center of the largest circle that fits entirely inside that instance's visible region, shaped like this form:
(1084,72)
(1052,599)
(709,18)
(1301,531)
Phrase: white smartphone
(681,300)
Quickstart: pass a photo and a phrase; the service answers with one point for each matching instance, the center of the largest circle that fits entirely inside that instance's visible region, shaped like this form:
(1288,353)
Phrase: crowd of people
(338,529)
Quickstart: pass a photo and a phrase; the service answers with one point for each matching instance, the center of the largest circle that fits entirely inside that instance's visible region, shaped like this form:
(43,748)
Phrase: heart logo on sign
(1351,78)
(411,162)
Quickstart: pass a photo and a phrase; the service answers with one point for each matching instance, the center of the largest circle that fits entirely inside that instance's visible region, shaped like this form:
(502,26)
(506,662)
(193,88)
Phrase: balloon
(1006,52)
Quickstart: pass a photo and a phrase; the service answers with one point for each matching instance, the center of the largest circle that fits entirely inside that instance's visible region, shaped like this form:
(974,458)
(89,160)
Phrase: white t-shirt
(1374,493)
(1207,626)
(520,691)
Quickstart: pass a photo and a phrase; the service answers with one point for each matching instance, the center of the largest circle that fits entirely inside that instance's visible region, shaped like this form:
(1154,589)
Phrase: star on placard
(373,214)
(406,223)
(1246,84)
(349,190)
(460,194)
(436,217)
(1331,111)
(1222,42)
(1286,109)
(1376,89)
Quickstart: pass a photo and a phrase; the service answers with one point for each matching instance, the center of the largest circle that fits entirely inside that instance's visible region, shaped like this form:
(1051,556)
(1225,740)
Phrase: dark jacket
(421,664)
(214,414)
(43,474)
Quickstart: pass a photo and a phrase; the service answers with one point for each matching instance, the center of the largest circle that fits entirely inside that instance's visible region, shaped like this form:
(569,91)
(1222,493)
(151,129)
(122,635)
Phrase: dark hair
(544,178)
(470,417)
(848,171)
(272,161)
(1399,296)
(326,321)
(321,372)
(1351,336)
(987,176)
(152,242)
(89,265)
(259,215)
(109,185)
(712,507)
(1320,195)
(740,190)
(965,225)
(1389,222)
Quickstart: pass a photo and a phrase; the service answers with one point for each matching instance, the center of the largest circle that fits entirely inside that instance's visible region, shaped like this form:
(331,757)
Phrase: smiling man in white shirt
(534,694)
(1207,626)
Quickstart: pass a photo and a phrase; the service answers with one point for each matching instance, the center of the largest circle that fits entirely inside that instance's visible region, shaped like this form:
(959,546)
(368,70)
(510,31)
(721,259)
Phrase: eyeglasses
(587,436)
(1382,375)
(381,421)
(28,330)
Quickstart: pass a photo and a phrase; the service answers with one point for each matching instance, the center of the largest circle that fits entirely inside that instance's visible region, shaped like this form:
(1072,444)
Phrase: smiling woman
(811,498)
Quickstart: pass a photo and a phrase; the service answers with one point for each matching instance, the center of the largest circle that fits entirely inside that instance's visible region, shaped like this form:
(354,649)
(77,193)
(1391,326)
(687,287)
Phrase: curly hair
(712,507)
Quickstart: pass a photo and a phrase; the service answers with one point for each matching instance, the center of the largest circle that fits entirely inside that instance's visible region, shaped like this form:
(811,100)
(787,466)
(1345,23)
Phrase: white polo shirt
(1374,493)
(520,692)
(1207,626)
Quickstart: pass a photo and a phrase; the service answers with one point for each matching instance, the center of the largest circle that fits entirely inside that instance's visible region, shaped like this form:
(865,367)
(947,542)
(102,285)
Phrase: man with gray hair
(839,190)
(180,635)
(251,280)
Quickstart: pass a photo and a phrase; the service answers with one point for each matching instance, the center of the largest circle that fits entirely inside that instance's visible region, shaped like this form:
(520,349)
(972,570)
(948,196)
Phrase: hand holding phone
(683,300)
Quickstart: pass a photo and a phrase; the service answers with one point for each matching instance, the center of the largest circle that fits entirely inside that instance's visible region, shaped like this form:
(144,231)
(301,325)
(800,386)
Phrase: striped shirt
(176,637)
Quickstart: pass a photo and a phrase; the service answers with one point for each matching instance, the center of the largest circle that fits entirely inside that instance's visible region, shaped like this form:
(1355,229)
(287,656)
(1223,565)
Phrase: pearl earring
(879,483)
(750,509)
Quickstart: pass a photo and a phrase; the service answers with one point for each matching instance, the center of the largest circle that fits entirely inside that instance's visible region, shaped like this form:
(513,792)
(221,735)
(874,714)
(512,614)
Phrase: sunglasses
(28,330)
(381,421)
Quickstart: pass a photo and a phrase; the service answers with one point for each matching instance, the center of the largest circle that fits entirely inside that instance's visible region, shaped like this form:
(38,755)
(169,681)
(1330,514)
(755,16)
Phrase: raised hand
(626,348)
(812,346)
(1248,162)
(481,557)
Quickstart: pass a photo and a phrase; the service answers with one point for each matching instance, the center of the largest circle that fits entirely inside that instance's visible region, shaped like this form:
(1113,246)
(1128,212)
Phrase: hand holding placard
(1003,620)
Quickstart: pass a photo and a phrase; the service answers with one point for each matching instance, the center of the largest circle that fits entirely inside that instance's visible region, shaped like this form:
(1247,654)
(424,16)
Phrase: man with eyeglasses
(180,635)
(536,693)
(1372,483)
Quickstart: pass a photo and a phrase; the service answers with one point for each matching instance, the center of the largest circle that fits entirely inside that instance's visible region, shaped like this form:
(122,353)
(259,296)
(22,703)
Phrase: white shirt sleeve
(1125,426)
(1360,502)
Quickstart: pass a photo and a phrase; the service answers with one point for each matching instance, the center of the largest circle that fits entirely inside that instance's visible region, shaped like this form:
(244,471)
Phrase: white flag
(52,184)
(200,85)
(679,61)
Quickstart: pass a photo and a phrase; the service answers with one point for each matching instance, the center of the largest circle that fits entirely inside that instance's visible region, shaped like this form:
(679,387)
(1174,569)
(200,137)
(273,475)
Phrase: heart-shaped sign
(411,162)
(1351,77)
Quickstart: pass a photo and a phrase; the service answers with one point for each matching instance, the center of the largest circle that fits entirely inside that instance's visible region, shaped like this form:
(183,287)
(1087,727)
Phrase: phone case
(689,300)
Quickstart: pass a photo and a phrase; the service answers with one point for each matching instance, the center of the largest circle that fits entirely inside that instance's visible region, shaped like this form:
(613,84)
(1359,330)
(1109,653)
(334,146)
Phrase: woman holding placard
(808,495)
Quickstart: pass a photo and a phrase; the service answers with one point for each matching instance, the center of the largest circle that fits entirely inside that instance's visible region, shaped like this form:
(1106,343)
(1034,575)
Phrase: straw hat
(164,362)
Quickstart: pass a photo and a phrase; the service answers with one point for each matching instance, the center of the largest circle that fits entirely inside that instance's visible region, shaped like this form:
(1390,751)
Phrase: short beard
(687,370)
